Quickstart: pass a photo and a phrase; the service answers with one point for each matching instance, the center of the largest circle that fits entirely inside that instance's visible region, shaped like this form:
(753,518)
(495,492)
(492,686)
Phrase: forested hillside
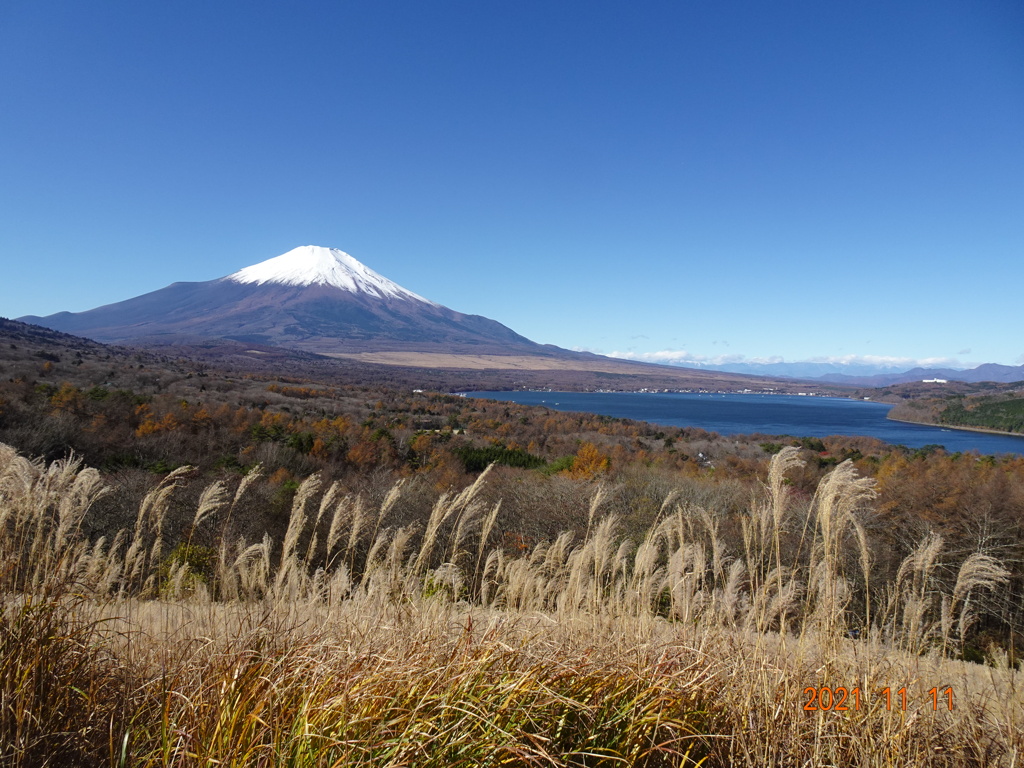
(999,412)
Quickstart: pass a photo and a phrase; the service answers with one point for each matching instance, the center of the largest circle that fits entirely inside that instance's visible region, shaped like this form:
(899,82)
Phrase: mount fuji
(311,298)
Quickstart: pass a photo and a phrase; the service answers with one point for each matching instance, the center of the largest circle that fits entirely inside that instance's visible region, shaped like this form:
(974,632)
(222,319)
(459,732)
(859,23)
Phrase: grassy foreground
(351,643)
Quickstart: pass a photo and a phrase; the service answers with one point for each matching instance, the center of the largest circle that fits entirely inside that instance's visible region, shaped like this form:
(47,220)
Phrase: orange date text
(843,699)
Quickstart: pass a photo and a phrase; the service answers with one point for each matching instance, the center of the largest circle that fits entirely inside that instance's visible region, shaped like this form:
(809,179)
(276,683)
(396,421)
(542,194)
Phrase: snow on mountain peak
(316,265)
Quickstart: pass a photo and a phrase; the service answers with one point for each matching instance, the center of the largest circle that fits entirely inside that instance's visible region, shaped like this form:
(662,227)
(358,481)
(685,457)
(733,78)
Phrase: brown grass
(350,643)
(490,362)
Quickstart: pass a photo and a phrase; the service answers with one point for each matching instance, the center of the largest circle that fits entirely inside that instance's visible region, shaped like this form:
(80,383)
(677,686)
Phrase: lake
(768,414)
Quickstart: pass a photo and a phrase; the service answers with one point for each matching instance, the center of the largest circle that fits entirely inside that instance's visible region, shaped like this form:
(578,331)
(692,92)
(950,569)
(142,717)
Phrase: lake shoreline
(962,429)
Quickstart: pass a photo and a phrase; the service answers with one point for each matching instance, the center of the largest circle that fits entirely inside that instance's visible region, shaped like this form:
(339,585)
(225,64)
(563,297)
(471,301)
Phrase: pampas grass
(426,645)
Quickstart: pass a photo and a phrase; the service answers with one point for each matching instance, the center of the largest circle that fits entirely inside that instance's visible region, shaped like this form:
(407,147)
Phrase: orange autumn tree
(588,463)
(69,399)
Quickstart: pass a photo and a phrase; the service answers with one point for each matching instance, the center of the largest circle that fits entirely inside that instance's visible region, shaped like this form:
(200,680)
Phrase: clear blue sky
(786,179)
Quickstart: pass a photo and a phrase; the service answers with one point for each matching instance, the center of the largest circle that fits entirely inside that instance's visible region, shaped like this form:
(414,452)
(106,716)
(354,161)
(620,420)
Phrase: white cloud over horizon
(683,357)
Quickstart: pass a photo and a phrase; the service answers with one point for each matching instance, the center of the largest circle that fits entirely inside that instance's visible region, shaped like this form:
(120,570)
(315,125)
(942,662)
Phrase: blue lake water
(768,414)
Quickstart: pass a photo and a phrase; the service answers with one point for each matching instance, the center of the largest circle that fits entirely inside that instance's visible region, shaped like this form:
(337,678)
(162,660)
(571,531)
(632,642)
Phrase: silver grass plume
(919,564)
(154,509)
(491,566)
(386,506)
(251,477)
(728,598)
(485,532)
(325,504)
(979,571)
(288,570)
(227,576)
(359,516)
(85,491)
(783,461)
(445,507)
(342,513)
(214,497)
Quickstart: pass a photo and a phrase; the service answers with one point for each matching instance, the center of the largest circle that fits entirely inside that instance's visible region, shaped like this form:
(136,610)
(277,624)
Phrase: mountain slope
(312,298)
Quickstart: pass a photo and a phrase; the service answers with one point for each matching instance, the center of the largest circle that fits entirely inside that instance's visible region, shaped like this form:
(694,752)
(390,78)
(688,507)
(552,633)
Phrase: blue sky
(662,180)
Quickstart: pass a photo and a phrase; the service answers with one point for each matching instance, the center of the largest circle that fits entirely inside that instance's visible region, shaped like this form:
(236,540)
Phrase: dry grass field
(588,371)
(349,642)
(501,362)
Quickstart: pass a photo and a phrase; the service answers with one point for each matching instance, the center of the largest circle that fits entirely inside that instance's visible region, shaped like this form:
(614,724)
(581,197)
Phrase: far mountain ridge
(1002,374)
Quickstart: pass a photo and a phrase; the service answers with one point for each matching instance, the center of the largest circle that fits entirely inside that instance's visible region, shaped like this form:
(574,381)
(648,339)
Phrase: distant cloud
(884,361)
(964,351)
(682,357)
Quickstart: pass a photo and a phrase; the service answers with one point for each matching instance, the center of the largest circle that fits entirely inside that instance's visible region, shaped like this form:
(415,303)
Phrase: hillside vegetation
(1000,412)
(768,636)
(217,565)
(387,367)
(1005,415)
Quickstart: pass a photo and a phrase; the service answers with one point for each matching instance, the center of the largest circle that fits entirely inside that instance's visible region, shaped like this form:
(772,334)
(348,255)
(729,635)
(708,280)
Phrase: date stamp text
(843,699)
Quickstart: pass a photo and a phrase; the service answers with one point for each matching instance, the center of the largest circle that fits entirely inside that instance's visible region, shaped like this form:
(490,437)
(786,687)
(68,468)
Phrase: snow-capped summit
(316,265)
